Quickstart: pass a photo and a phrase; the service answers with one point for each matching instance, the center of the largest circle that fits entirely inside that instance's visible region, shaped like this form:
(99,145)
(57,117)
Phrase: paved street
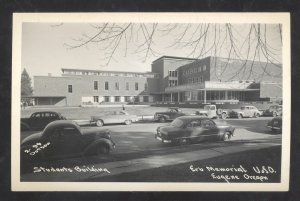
(137,149)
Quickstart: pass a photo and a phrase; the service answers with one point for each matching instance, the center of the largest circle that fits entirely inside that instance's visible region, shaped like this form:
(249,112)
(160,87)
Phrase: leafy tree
(26,88)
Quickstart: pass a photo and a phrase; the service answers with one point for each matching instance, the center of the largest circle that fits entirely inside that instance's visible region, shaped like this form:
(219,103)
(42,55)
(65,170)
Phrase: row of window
(117,86)
(173,83)
(195,80)
(194,70)
(118,99)
(111,74)
(173,73)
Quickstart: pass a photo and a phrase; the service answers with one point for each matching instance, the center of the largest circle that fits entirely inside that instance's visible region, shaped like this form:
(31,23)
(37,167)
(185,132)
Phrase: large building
(173,79)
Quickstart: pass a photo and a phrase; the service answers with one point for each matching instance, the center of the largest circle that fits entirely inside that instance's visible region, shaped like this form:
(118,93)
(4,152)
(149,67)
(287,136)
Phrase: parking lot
(136,147)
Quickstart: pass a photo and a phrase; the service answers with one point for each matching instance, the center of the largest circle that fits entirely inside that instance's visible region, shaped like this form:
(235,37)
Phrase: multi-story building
(173,79)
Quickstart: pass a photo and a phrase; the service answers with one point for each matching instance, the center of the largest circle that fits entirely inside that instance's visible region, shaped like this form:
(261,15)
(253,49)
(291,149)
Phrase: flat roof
(173,57)
(89,70)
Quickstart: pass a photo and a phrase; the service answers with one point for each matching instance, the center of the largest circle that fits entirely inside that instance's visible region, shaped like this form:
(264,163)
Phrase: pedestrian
(123,107)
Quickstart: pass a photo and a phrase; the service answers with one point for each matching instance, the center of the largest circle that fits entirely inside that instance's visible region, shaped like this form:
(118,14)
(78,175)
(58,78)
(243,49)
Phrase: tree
(247,42)
(26,88)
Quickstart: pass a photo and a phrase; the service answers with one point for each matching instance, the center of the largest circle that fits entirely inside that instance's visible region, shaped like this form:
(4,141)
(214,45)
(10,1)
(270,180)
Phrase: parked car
(171,114)
(211,111)
(274,110)
(65,138)
(113,118)
(193,129)
(39,120)
(275,124)
(245,111)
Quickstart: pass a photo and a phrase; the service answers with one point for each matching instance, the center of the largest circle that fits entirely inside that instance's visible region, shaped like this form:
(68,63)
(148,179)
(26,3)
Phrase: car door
(247,111)
(122,117)
(36,121)
(209,129)
(65,141)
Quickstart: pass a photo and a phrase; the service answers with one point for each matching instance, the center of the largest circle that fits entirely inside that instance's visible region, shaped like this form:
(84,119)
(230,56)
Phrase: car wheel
(128,122)
(240,116)
(223,116)
(183,141)
(256,115)
(274,114)
(227,136)
(162,119)
(99,123)
(102,149)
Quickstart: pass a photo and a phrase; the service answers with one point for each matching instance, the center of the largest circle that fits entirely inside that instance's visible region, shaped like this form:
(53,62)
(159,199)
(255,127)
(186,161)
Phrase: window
(106,86)
(95,85)
(146,86)
(117,86)
(127,98)
(207,123)
(204,68)
(70,90)
(201,79)
(136,86)
(199,69)
(96,99)
(146,99)
(127,86)
(117,98)
(106,99)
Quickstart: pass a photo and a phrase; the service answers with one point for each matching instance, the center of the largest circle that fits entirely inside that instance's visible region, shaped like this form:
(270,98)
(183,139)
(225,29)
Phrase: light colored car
(245,111)
(113,118)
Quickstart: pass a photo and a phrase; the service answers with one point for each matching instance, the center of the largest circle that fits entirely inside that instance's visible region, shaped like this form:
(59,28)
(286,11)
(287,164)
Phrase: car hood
(168,129)
(32,138)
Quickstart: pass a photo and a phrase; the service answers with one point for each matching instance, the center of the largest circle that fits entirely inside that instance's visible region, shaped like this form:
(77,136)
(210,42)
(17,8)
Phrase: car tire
(240,116)
(223,115)
(227,136)
(162,119)
(99,123)
(128,122)
(256,115)
(183,141)
(102,149)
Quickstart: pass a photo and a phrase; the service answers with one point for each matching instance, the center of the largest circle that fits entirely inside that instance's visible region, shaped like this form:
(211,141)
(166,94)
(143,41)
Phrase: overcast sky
(44,50)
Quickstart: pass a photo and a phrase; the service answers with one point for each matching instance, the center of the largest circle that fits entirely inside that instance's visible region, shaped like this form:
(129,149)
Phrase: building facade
(172,79)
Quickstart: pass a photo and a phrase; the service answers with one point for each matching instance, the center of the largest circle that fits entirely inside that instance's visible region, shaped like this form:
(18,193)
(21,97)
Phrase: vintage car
(245,111)
(275,124)
(65,138)
(171,114)
(113,117)
(211,111)
(39,120)
(187,129)
(274,110)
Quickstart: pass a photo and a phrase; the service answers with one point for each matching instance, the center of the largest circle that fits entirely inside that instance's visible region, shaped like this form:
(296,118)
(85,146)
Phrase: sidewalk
(150,162)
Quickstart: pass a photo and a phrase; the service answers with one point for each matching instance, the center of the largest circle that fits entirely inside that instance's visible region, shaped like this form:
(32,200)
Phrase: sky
(44,48)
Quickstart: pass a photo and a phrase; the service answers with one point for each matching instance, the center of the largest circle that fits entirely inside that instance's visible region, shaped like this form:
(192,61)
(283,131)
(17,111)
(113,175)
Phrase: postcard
(151,102)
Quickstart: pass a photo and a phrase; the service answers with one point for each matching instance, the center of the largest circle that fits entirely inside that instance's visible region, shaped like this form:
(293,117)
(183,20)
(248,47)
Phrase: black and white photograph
(151,102)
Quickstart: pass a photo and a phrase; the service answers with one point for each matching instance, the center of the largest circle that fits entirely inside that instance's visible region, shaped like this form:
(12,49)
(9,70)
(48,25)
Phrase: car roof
(173,107)
(62,123)
(46,111)
(192,117)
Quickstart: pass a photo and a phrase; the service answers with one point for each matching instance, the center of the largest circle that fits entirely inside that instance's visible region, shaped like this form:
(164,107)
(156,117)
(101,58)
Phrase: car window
(243,108)
(70,131)
(193,124)
(47,114)
(36,115)
(213,108)
(207,123)
(53,115)
(177,123)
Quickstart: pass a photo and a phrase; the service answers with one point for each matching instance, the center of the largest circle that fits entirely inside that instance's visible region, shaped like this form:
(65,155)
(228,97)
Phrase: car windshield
(242,108)
(206,107)
(177,123)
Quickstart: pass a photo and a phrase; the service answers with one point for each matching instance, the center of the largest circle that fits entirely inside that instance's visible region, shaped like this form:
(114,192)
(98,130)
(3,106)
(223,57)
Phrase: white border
(19,18)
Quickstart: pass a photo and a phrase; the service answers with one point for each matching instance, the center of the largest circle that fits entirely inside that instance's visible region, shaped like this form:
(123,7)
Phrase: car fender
(91,147)
(25,125)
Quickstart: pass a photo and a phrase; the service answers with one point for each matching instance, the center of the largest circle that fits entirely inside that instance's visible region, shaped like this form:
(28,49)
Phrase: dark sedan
(39,120)
(186,129)
(275,124)
(65,138)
